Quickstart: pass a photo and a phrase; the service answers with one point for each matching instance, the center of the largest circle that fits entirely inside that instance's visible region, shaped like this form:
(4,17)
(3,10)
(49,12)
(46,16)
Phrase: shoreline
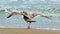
(27,31)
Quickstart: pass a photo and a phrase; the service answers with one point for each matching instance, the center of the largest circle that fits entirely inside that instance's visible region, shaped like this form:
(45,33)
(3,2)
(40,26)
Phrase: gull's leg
(28,25)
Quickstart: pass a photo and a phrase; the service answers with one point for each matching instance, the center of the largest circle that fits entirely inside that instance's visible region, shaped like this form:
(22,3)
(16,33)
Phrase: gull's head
(23,13)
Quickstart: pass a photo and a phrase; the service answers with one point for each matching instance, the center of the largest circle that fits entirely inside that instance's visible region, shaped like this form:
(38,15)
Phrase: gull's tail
(31,21)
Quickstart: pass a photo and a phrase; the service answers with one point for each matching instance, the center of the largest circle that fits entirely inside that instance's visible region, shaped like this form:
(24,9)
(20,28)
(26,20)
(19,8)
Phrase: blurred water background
(50,8)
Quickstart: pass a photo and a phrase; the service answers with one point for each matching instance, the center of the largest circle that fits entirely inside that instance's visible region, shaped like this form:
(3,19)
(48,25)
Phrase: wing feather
(12,14)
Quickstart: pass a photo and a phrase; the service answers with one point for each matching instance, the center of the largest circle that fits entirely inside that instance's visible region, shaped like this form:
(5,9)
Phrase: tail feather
(31,21)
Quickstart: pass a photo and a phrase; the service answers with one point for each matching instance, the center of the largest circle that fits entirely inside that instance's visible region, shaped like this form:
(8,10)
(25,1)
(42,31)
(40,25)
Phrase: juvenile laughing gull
(27,17)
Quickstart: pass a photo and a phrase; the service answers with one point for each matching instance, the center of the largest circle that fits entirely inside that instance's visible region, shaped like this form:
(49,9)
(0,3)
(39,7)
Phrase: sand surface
(27,31)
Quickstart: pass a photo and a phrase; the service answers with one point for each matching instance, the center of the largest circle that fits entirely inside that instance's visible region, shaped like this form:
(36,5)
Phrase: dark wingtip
(9,16)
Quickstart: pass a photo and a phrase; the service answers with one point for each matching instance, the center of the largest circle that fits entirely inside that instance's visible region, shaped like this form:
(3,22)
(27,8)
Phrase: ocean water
(49,8)
(52,22)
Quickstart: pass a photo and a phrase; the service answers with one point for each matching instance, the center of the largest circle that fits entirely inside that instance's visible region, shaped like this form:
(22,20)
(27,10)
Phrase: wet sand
(27,31)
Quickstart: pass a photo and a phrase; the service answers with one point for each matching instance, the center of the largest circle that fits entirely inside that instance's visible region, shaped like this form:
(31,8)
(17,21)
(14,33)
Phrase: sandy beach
(26,31)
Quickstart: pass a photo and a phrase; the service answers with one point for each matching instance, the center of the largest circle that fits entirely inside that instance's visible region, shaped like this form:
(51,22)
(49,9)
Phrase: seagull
(27,17)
